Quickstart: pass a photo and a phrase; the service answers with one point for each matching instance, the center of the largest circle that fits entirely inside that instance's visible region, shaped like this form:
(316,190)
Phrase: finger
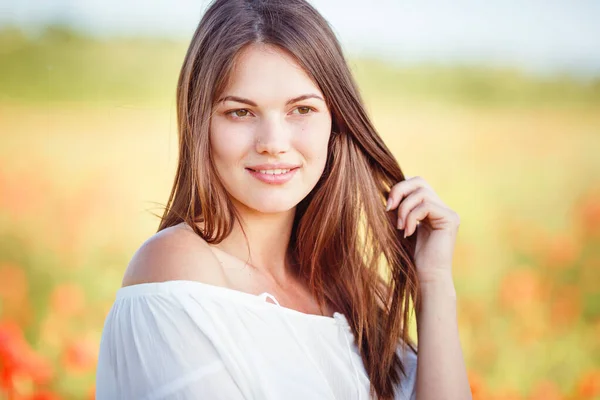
(426,209)
(416,215)
(403,189)
(411,201)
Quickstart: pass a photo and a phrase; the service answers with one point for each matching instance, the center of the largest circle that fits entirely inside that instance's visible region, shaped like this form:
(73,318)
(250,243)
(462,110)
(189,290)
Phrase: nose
(273,137)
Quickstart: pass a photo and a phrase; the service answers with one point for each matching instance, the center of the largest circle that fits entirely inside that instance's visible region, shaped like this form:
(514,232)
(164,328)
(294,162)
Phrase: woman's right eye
(242,112)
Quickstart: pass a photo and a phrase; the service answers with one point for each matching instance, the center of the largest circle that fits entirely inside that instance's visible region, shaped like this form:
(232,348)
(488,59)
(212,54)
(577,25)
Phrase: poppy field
(88,149)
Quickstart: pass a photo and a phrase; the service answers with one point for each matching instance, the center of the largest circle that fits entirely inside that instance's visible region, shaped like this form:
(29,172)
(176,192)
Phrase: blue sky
(538,36)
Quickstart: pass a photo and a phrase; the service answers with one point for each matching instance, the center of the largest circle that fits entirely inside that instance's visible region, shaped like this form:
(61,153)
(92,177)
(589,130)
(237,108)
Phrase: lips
(267,169)
(262,167)
(273,179)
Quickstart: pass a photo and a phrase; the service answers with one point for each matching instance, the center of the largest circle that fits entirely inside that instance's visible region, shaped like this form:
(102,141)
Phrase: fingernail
(400,224)
(389,204)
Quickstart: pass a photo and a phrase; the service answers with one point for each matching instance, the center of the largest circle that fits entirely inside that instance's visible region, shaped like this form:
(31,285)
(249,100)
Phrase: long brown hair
(353,255)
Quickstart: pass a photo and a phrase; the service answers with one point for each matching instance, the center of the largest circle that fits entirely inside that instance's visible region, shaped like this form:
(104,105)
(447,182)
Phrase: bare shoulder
(172,254)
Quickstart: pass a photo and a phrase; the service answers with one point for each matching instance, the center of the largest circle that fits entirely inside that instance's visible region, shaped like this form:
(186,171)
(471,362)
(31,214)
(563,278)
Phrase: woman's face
(271,113)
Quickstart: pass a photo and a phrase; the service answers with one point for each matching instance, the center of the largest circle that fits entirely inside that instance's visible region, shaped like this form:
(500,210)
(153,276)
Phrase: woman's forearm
(441,372)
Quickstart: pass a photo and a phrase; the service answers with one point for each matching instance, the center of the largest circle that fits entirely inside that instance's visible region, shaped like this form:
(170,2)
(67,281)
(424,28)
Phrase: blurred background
(496,104)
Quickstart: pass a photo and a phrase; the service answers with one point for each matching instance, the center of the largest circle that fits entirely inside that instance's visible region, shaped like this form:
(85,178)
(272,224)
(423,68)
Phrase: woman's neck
(266,249)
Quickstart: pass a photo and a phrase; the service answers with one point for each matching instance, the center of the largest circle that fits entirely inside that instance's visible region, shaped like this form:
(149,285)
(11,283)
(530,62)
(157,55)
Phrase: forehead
(264,71)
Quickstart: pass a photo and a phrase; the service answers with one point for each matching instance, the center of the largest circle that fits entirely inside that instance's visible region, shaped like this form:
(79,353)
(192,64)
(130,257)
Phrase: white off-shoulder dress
(183,340)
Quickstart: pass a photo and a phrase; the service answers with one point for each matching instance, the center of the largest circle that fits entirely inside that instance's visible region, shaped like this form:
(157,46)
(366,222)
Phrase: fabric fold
(183,340)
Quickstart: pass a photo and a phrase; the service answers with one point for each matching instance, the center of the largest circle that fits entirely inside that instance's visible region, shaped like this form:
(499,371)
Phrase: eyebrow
(290,101)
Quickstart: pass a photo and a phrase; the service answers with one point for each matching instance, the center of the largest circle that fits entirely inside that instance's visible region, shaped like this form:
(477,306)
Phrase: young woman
(292,251)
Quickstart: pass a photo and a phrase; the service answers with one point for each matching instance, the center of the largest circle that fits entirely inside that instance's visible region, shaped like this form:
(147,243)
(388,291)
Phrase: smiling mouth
(274,176)
(279,171)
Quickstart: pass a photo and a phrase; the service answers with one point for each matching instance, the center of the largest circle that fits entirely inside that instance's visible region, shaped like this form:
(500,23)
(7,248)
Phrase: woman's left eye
(303,110)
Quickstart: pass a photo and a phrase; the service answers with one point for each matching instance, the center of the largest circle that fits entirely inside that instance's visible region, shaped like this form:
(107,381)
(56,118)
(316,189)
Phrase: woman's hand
(440,354)
(421,210)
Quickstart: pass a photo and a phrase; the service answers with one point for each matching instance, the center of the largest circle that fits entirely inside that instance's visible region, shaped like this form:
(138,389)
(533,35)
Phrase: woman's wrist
(437,293)
(437,281)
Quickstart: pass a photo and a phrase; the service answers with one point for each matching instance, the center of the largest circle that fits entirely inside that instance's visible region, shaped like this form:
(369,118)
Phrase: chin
(271,200)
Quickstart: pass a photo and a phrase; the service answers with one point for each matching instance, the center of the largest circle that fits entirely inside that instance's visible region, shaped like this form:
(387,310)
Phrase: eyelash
(228,113)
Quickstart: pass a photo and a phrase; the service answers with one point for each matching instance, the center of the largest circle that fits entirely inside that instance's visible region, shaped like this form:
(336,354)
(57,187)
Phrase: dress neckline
(176,286)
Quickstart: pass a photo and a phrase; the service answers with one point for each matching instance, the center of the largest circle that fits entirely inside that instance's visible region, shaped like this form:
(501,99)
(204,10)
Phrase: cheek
(229,143)
(314,139)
